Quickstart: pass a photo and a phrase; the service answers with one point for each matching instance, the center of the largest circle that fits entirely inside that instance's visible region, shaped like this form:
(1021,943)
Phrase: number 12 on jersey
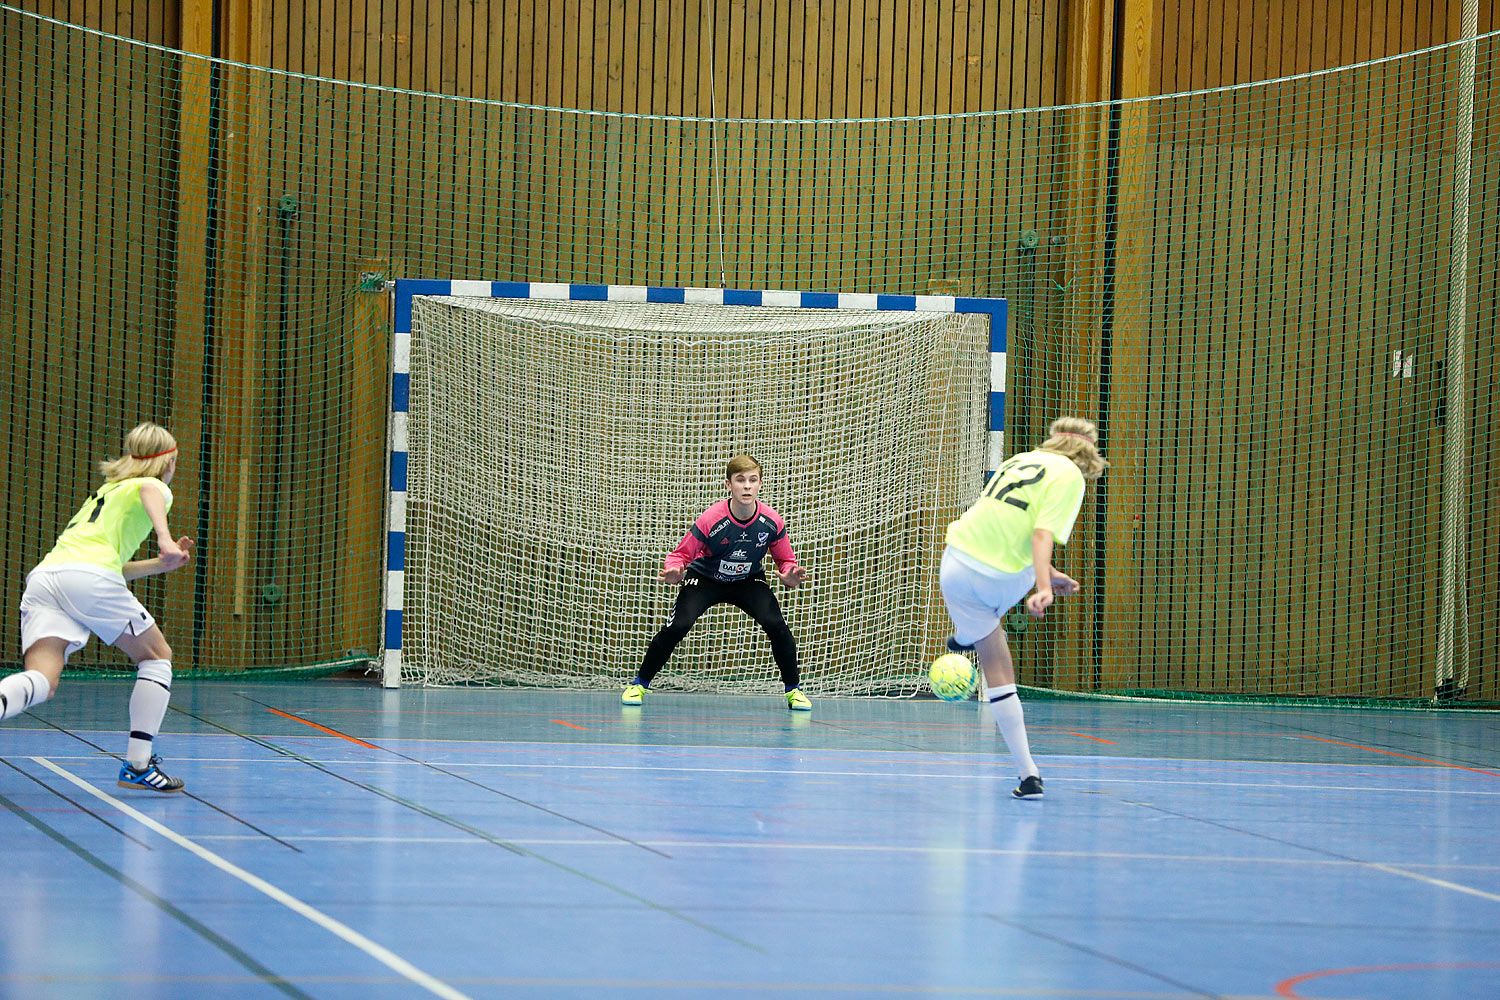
(1010,477)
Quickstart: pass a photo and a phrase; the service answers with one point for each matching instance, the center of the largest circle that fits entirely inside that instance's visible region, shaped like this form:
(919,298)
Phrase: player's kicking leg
(148,706)
(1005,707)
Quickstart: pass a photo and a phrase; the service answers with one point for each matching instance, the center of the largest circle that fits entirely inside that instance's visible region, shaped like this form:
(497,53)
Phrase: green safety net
(1277,301)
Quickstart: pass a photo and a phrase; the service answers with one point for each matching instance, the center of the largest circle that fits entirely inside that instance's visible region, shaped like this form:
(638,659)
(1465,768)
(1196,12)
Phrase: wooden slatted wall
(1235,493)
(1215,43)
(87,305)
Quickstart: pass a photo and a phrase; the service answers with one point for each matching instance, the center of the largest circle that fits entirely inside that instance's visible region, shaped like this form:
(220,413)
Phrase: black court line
(852,730)
(1334,855)
(479,784)
(75,804)
(1378,731)
(1254,834)
(262,974)
(185,793)
(1104,956)
(475,831)
(433,814)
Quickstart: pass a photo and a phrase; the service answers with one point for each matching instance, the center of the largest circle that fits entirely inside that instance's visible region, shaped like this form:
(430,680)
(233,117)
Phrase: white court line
(681,845)
(413,745)
(1441,883)
(1063,780)
(714,845)
(358,940)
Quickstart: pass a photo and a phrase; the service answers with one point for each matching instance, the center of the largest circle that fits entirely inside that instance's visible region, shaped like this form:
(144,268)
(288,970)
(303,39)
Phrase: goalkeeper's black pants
(752,596)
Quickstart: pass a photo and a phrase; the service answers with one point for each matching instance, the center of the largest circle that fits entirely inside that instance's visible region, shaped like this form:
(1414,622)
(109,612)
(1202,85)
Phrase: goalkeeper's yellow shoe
(633,694)
(797,701)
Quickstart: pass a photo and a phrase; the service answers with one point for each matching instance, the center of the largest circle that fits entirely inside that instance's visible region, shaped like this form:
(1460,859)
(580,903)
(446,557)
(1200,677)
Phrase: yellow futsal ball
(952,677)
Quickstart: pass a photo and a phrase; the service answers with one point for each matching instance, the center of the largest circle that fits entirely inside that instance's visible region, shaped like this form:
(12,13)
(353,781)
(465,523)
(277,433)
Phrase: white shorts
(70,600)
(976,599)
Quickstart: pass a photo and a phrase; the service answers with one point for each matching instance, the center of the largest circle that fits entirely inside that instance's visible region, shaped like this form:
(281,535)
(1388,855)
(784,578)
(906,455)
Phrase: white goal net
(558,450)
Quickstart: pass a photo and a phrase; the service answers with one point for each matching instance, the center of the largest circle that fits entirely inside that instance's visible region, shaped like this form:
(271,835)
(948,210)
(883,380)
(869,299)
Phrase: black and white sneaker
(1030,788)
(954,646)
(149,777)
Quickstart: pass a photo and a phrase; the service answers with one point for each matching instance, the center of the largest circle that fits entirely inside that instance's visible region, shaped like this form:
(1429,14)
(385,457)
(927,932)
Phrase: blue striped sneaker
(149,777)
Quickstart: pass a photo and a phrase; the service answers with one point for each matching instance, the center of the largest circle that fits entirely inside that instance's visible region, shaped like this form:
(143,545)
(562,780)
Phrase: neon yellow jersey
(1035,489)
(109,528)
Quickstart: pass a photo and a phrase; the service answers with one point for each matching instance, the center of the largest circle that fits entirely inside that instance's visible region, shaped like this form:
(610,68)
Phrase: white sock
(148,706)
(21,691)
(1005,706)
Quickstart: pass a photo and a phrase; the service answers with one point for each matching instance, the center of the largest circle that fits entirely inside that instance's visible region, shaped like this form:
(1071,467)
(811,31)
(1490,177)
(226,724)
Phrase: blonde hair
(1078,439)
(741,463)
(149,448)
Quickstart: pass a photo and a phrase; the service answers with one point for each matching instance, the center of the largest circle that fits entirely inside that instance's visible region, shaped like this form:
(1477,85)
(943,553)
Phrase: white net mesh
(559,451)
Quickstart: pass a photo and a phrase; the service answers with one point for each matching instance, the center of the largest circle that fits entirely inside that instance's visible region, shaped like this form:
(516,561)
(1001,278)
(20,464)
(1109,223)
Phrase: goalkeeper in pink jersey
(719,561)
(1001,547)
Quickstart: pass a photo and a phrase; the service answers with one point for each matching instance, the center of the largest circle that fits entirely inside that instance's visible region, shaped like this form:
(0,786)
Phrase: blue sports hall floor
(340,841)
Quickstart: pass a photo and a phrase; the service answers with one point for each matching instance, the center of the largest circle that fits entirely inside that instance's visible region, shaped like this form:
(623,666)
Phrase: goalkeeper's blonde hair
(741,463)
(1078,439)
(149,449)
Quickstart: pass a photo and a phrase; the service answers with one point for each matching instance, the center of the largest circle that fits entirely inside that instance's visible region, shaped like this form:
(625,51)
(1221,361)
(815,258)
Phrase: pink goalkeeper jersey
(721,548)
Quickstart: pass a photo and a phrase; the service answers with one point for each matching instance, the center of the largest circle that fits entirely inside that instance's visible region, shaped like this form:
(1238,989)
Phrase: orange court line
(1082,736)
(1288,987)
(1407,756)
(330,732)
(562,723)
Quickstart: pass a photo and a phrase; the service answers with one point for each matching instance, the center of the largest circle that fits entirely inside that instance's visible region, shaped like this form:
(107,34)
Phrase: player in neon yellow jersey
(1002,546)
(79,588)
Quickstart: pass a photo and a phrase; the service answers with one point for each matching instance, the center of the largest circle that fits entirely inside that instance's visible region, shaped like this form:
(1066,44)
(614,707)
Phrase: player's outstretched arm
(1062,583)
(156,509)
(1041,557)
(164,563)
(788,572)
(674,569)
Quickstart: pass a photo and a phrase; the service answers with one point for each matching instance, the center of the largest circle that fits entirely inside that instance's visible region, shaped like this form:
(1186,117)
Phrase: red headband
(142,458)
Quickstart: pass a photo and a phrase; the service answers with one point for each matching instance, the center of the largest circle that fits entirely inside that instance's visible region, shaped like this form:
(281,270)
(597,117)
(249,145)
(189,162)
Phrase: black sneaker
(954,646)
(1030,788)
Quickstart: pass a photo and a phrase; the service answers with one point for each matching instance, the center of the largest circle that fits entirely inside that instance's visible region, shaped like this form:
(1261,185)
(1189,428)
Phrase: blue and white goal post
(408,290)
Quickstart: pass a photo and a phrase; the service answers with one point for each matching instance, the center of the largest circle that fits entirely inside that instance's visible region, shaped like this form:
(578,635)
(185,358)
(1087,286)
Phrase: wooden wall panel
(1334,245)
(1216,43)
(873,57)
(83,346)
